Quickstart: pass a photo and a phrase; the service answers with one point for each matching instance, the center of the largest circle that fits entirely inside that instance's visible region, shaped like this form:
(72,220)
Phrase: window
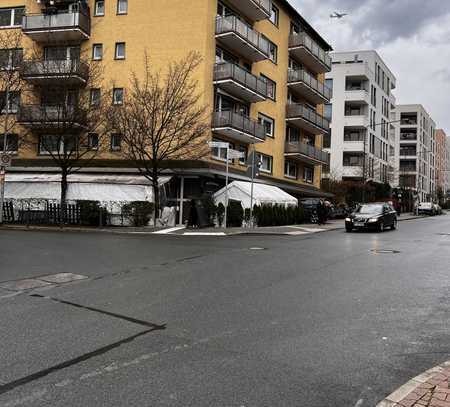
(243,160)
(290,169)
(49,144)
(12,143)
(116,142)
(122,6)
(266,162)
(352,160)
(268,123)
(220,153)
(95,97)
(92,141)
(120,50)
(10,58)
(271,87)
(274,15)
(273,52)
(97,52)
(11,17)
(118,96)
(308,174)
(13,100)
(99,8)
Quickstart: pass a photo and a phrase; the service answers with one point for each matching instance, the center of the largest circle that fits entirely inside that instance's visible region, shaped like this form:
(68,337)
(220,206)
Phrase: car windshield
(370,209)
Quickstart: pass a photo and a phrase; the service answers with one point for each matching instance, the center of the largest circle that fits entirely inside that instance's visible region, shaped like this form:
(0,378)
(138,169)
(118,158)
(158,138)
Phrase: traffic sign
(218,144)
(235,154)
(5,160)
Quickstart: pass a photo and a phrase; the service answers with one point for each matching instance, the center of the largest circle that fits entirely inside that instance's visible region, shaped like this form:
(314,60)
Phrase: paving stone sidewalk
(430,389)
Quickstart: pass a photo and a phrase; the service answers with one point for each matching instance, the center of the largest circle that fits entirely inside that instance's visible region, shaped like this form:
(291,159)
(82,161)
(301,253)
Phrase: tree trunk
(64,186)
(155,184)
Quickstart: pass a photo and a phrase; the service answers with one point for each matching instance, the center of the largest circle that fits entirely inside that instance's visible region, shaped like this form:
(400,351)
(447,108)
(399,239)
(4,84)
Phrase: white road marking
(170,230)
(359,403)
(297,233)
(310,230)
(204,234)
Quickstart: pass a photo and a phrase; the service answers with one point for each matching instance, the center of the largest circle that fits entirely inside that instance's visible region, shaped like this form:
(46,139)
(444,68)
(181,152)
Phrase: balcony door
(62,53)
(225,103)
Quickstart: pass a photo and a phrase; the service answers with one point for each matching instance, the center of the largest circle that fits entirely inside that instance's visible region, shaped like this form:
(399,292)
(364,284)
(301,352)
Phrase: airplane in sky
(338,15)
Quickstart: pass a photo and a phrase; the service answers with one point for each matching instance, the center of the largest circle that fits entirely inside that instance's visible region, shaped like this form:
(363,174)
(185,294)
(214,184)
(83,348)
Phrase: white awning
(83,187)
(263,194)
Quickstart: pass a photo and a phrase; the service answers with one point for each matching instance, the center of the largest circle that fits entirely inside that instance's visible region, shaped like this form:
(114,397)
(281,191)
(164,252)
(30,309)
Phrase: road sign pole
(226,187)
(2,192)
(251,188)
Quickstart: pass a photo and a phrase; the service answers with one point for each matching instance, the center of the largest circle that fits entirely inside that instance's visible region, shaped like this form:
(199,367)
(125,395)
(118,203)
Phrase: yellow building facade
(262,76)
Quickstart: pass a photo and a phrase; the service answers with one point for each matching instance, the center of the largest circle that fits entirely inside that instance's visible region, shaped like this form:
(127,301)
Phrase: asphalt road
(316,320)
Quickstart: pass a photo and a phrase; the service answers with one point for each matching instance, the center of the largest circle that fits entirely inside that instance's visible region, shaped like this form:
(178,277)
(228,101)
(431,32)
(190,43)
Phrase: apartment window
(274,15)
(122,6)
(11,103)
(268,123)
(271,87)
(11,17)
(308,174)
(273,52)
(10,58)
(50,144)
(99,9)
(118,96)
(220,153)
(243,160)
(92,141)
(95,96)
(12,143)
(120,50)
(266,162)
(97,52)
(290,169)
(116,142)
(352,160)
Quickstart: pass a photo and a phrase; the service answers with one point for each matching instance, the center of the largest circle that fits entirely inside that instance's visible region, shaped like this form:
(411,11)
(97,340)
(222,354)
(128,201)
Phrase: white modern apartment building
(417,151)
(362,140)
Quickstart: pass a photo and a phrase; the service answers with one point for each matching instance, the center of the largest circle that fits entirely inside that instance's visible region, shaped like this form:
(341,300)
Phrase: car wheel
(381,227)
(348,229)
(394,224)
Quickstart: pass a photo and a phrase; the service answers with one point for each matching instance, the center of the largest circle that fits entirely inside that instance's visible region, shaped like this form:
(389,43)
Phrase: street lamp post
(3,166)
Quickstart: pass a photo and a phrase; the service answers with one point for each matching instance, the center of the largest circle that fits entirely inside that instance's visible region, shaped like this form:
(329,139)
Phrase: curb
(430,388)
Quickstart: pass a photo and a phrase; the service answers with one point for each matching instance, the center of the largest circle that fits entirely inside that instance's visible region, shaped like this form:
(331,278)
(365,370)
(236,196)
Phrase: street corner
(429,389)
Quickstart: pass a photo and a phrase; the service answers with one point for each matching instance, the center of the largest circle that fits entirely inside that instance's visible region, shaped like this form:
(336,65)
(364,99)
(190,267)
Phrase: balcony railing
(231,24)
(253,9)
(55,116)
(304,40)
(235,121)
(303,76)
(228,71)
(408,168)
(297,110)
(308,151)
(59,21)
(408,136)
(58,69)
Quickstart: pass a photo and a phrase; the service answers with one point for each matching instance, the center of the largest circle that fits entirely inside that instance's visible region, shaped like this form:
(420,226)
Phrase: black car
(373,216)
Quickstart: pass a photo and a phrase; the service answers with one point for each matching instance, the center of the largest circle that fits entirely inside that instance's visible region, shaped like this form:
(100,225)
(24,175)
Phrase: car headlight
(373,220)
(348,220)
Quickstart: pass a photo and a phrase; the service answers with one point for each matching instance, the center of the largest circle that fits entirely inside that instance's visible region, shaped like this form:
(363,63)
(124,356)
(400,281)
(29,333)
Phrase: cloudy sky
(412,36)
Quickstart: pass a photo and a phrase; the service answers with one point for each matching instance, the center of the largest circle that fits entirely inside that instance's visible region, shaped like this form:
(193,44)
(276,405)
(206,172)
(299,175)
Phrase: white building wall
(376,164)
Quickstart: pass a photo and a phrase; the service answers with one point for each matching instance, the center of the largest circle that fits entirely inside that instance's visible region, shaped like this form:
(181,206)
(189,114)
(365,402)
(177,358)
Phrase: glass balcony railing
(304,40)
(298,110)
(308,151)
(42,22)
(303,76)
(239,123)
(237,26)
(228,71)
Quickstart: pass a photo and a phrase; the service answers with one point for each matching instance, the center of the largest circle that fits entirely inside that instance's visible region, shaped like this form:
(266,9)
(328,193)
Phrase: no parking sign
(5,160)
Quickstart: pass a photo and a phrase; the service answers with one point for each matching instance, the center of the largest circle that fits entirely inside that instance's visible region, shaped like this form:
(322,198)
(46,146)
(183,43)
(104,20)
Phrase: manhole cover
(384,251)
(443,234)
(257,248)
(62,278)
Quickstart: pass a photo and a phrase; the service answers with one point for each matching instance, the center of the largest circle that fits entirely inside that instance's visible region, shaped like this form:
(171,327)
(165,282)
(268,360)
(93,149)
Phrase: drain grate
(384,251)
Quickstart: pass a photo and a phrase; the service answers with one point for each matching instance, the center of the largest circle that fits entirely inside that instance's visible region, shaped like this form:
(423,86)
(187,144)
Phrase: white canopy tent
(83,187)
(262,195)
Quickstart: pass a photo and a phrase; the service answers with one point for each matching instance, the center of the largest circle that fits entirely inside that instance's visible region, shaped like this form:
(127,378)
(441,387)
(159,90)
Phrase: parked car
(426,208)
(437,209)
(373,216)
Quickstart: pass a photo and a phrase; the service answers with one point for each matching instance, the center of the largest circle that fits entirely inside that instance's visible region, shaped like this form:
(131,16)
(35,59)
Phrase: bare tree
(162,119)
(66,111)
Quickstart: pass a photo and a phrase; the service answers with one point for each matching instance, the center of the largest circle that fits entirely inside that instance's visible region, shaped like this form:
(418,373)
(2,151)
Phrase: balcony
(311,54)
(62,72)
(255,10)
(354,171)
(359,96)
(353,146)
(306,153)
(240,83)
(242,39)
(238,127)
(411,137)
(306,119)
(60,27)
(359,121)
(51,118)
(305,84)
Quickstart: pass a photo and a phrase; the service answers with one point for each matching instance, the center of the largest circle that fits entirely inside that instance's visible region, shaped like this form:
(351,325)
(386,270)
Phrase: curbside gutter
(430,388)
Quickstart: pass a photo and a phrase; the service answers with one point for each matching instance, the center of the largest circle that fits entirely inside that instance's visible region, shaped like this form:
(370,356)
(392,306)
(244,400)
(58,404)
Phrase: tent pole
(181,200)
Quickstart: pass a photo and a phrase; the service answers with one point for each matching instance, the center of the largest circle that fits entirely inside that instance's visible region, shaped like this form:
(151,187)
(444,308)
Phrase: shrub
(91,213)
(235,214)
(138,213)
(210,208)
(278,215)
